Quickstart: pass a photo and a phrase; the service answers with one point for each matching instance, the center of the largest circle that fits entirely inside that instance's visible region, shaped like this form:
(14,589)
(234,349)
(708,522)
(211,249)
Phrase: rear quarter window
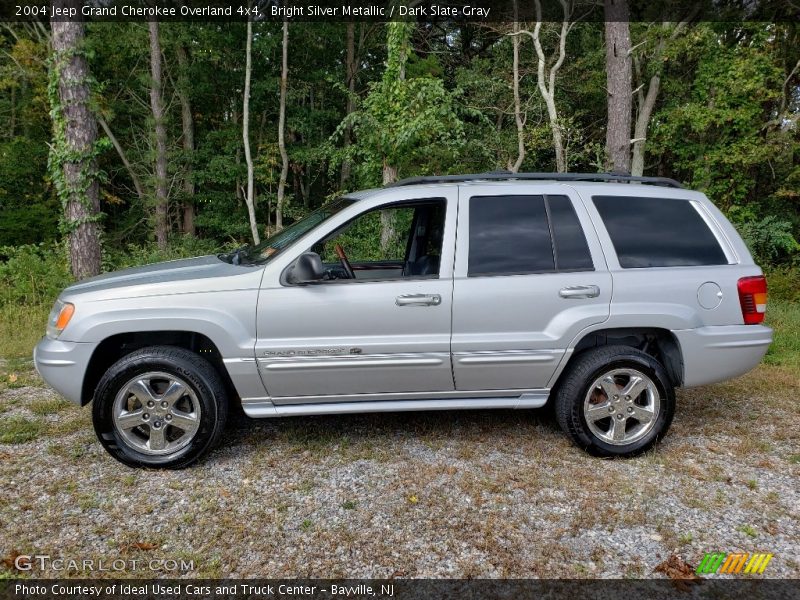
(658,232)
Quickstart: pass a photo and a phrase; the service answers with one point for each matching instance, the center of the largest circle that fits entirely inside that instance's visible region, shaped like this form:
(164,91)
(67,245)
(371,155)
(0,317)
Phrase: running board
(260,408)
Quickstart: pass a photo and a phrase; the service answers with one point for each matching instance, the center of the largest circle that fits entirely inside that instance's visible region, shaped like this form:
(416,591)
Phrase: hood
(201,274)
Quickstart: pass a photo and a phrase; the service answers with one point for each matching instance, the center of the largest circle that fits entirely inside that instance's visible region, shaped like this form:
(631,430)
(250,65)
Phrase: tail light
(753,298)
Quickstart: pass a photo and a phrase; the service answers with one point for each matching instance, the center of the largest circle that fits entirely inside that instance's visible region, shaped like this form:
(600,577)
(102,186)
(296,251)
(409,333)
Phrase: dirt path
(459,494)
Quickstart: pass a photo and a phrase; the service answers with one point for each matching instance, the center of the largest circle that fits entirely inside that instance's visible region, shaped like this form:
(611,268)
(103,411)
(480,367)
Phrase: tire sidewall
(656,373)
(127,369)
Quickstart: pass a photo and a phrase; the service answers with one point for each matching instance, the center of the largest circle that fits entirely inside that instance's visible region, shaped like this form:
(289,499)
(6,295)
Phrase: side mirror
(306,269)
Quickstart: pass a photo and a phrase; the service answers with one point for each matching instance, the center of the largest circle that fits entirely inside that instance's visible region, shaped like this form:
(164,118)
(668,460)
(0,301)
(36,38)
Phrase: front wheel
(162,407)
(615,401)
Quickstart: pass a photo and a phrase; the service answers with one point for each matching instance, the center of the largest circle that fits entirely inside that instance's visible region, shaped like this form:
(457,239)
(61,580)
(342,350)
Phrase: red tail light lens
(753,298)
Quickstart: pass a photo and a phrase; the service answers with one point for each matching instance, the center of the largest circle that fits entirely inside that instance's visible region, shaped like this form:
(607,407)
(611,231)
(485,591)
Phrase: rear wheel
(160,407)
(615,401)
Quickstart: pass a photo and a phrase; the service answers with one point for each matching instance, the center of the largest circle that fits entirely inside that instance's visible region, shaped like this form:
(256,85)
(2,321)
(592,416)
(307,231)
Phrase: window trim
(554,249)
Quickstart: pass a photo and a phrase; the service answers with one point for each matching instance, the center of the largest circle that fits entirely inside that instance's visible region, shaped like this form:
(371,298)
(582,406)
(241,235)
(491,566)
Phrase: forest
(191,137)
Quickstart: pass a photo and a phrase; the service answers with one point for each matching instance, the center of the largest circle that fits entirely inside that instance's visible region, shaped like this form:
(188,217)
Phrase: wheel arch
(658,342)
(116,346)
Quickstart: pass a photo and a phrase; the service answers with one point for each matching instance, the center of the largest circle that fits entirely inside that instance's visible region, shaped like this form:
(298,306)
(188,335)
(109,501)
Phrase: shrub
(179,247)
(784,284)
(770,240)
(33,273)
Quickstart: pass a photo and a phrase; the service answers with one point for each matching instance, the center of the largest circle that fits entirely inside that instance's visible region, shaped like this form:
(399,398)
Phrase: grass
(18,430)
(20,329)
(784,318)
(748,530)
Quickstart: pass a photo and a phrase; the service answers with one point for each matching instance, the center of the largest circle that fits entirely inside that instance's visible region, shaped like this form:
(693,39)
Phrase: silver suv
(598,293)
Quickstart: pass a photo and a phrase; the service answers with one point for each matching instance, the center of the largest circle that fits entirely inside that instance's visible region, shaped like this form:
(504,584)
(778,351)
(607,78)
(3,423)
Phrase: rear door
(529,276)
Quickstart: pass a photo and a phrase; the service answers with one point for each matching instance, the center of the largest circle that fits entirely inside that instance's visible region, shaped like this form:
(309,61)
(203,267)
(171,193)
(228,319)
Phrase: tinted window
(572,251)
(509,234)
(658,232)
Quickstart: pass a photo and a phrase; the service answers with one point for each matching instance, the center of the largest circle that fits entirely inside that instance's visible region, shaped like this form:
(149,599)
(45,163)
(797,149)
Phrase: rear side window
(658,232)
(514,235)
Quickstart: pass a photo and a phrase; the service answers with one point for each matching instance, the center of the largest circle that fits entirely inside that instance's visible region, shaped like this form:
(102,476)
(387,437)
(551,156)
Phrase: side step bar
(260,408)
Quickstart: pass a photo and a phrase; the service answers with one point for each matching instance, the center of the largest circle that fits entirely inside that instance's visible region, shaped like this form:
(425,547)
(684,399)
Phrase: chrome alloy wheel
(622,406)
(156,413)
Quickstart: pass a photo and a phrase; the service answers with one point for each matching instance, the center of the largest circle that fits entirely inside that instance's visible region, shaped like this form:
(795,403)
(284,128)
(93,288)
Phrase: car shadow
(331,430)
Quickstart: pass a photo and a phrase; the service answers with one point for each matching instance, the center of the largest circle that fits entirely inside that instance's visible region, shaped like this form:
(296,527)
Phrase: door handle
(418,300)
(580,291)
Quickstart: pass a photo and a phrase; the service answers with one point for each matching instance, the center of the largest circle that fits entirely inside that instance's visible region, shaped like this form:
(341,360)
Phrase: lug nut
(616,397)
(150,404)
(610,409)
(164,404)
(168,417)
(145,416)
(620,416)
(630,409)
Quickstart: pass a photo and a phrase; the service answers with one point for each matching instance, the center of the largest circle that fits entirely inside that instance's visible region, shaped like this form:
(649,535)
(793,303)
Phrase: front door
(379,324)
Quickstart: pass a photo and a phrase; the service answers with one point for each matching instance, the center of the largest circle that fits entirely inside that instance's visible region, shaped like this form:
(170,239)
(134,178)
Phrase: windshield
(273,245)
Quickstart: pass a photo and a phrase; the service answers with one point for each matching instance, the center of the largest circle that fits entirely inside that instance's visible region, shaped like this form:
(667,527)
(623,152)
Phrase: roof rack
(506,175)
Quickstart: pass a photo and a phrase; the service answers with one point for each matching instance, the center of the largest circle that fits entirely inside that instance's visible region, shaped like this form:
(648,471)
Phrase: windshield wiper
(235,257)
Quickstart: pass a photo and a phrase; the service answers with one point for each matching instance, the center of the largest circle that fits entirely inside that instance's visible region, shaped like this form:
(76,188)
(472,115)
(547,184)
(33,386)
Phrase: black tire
(204,382)
(573,390)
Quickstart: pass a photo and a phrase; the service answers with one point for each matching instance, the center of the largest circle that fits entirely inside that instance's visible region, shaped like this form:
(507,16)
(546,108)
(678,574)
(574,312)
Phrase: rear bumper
(713,354)
(63,365)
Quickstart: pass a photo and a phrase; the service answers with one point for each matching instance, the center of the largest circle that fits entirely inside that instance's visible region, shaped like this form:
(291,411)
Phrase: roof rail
(507,175)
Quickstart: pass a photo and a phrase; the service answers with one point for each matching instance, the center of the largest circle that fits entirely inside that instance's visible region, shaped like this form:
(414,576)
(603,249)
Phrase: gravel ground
(459,494)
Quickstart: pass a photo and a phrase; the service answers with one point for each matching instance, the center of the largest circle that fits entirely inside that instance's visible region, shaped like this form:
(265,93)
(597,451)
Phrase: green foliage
(28,212)
(783,284)
(784,318)
(134,255)
(362,240)
(769,239)
(33,274)
(404,122)
(428,100)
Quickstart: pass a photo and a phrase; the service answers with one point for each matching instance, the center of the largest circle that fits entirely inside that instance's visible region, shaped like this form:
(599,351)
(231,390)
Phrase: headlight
(59,318)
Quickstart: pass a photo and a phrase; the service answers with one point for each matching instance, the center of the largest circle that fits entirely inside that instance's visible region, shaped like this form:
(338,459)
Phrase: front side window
(395,241)
(658,232)
(275,244)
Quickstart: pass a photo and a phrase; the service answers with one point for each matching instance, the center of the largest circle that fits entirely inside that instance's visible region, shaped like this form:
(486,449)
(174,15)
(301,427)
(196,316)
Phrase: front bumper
(63,365)
(714,354)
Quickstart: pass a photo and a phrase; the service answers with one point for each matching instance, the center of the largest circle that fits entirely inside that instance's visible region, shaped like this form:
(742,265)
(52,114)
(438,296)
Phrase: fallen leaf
(683,575)
(413,499)
(10,561)
(139,546)
(12,378)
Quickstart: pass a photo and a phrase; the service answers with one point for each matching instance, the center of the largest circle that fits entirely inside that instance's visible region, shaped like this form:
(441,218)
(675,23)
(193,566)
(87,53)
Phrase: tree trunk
(350,66)
(547,80)
(75,134)
(646,101)
(520,121)
(646,104)
(282,128)
(157,106)
(618,83)
(187,124)
(249,199)
(387,216)
(137,184)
